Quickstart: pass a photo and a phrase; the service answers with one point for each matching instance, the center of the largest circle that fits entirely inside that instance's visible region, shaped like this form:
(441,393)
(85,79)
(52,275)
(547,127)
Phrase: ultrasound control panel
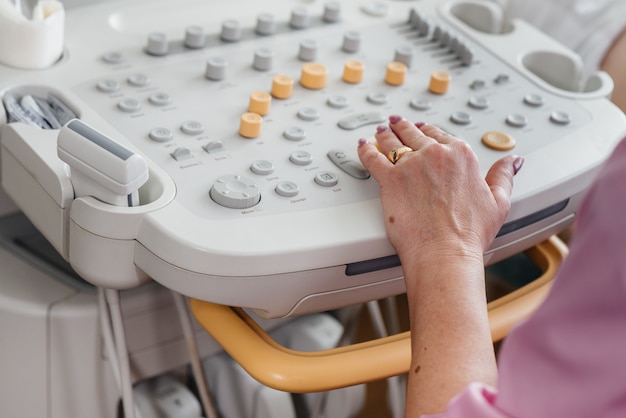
(248,116)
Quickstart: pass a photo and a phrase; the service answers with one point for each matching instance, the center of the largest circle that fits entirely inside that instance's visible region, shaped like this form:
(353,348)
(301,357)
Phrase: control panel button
(192,127)
(262,167)
(480,103)
(351,41)
(421,104)
(263,59)
(338,101)
(516,120)
(375,8)
(308,113)
(265,24)
(113,57)
(213,147)
(396,72)
(129,105)
(404,54)
(348,165)
(216,68)
(138,80)
(534,100)
(301,157)
(353,71)
(299,18)
(294,133)
(377,98)
(498,141)
(231,31)
(461,118)
(332,12)
(326,179)
(108,86)
(260,103)
(250,125)
(308,50)
(235,192)
(160,99)
(560,118)
(158,44)
(161,134)
(287,189)
(181,154)
(194,37)
(313,76)
(358,120)
(439,82)
(282,86)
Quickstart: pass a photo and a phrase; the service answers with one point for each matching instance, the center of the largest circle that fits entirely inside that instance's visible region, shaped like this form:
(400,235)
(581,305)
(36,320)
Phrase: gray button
(332,12)
(263,59)
(138,80)
(213,147)
(351,41)
(235,192)
(129,105)
(502,79)
(424,27)
(326,179)
(535,100)
(287,189)
(265,24)
(299,18)
(375,8)
(421,104)
(377,98)
(516,120)
(262,167)
(478,84)
(108,86)
(480,103)
(192,127)
(161,134)
(301,157)
(404,54)
(231,31)
(215,68)
(181,153)
(348,165)
(466,54)
(308,114)
(414,18)
(113,57)
(560,118)
(338,101)
(194,37)
(461,118)
(361,119)
(308,50)
(158,44)
(160,99)
(294,133)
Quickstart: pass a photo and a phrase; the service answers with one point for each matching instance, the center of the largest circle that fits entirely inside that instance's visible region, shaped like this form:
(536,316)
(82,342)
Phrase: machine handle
(297,371)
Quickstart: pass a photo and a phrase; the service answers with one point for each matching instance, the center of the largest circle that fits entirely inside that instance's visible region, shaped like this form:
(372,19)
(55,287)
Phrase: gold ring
(397,153)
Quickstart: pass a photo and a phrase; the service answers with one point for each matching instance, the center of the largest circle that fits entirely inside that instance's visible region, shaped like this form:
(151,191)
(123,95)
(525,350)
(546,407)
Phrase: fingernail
(517,164)
(420,124)
(362,141)
(382,128)
(395,118)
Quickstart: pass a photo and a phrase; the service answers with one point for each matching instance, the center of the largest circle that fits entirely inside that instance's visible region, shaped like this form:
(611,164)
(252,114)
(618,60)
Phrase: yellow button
(282,86)
(498,140)
(353,72)
(396,71)
(250,125)
(313,76)
(260,102)
(439,82)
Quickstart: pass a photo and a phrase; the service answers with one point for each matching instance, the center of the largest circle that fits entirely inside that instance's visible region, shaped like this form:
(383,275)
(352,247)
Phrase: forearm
(451,341)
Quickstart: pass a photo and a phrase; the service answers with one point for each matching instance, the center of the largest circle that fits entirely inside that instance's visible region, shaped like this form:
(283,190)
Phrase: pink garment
(569,358)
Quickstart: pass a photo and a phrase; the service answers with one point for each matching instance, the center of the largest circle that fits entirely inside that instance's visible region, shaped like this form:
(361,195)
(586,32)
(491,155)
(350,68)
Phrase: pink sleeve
(476,401)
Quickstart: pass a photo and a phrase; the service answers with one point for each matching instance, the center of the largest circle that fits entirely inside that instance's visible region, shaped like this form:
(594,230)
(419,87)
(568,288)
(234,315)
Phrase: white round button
(235,192)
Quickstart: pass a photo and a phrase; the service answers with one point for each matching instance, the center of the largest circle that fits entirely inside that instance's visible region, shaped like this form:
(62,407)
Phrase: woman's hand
(434,198)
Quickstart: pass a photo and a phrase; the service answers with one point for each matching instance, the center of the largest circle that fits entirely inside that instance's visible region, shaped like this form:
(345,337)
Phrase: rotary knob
(235,192)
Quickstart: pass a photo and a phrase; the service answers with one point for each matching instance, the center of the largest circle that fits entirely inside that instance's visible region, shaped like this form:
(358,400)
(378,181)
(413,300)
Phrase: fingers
(499,178)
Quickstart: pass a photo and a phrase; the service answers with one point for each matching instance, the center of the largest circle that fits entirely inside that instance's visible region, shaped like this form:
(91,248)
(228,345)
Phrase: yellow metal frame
(296,371)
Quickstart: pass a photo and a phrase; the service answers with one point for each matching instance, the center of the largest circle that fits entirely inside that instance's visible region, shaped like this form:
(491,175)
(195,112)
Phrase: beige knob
(282,87)
(439,82)
(396,72)
(260,102)
(313,76)
(250,125)
(353,72)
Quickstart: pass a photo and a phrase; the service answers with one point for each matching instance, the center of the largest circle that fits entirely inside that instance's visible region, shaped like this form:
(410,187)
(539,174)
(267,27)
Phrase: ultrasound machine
(207,149)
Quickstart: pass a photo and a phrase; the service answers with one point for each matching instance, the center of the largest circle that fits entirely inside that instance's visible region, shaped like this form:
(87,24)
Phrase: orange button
(353,72)
(396,71)
(250,125)
(282,86)
(260,102)
(439,82)
(313,76)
